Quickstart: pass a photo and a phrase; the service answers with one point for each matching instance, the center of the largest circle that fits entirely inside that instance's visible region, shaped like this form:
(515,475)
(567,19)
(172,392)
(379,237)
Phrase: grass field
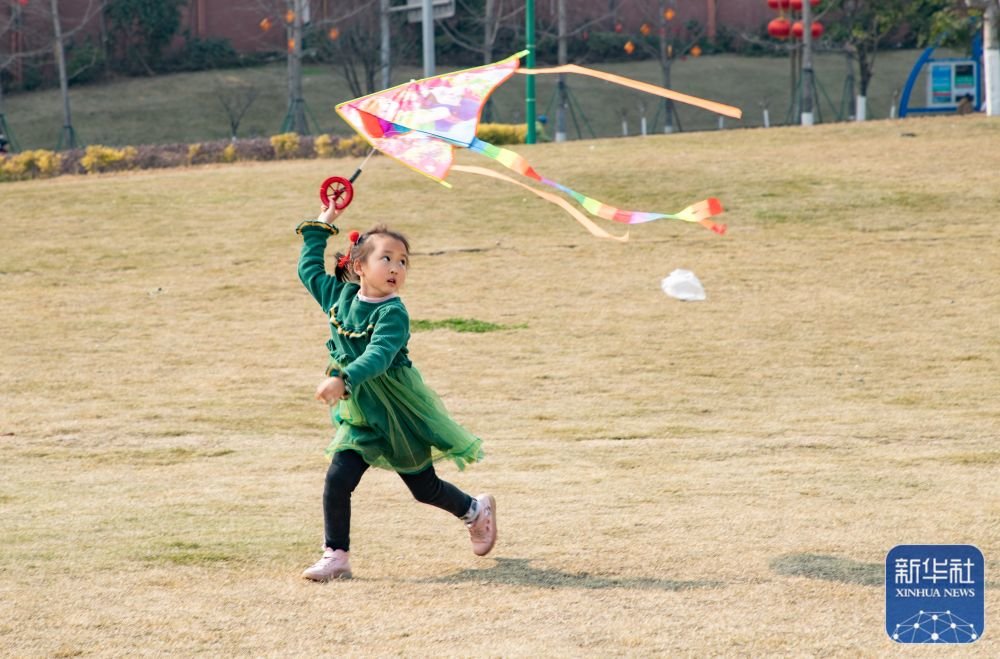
(718,478)
(186,107)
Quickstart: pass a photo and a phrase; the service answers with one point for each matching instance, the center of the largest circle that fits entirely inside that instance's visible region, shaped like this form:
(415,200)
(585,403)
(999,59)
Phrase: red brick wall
(735,15)
(239,21)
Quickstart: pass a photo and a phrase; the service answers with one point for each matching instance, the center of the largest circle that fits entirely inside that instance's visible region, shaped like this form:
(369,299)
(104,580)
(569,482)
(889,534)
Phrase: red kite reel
(338,191)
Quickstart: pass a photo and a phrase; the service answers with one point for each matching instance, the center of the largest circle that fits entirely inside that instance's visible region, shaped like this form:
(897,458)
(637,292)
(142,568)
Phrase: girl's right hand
(330,390)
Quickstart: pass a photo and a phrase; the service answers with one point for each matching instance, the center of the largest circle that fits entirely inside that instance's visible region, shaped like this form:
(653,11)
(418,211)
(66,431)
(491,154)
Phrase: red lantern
(779,28)
(773,4)
(784,4)
(817,29)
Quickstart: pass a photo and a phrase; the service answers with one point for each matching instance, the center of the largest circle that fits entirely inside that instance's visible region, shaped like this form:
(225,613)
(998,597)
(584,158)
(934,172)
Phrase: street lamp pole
(529,83)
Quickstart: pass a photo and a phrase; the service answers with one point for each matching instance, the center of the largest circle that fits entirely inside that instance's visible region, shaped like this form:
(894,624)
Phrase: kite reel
(338,191)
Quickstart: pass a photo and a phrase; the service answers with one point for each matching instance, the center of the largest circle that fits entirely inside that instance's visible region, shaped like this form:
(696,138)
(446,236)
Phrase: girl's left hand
(330,390)
(328,214)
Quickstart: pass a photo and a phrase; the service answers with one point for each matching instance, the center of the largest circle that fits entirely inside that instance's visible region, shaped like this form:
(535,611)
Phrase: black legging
(344,475)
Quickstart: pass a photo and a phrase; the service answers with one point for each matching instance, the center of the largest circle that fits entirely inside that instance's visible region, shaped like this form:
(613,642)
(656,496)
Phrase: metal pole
(428,20)
(991,59)
(807,64)
(563,57)
(529,83)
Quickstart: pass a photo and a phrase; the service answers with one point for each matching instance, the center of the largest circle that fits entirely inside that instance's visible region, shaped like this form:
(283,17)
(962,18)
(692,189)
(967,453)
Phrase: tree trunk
(490,20)
(849,87)
(385,46)
(666,60)
(808,102)
(296,119)
(67,137)
(865,69)
(489,38)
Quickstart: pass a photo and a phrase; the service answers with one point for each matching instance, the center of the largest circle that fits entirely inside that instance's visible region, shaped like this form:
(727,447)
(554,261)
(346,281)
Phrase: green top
(366,338)
(391,418)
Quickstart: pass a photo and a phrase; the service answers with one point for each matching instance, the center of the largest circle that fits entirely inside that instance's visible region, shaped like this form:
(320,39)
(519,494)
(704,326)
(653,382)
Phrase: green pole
(529,83)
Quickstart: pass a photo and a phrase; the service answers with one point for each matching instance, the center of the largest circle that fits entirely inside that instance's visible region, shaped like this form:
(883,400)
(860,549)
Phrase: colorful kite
(420,123)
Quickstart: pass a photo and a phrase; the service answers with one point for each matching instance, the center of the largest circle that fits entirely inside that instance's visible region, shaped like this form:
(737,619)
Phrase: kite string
(357,172)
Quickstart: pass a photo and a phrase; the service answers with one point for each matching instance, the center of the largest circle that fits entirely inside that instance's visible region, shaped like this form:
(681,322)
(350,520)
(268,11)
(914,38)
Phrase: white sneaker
(335,564)
(483,529)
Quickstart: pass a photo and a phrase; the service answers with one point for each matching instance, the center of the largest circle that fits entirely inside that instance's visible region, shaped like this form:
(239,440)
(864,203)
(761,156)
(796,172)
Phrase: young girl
(384,413)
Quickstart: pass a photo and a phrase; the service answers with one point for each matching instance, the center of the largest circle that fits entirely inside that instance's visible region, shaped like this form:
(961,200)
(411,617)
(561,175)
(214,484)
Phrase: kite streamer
(700,212)
(558,201)
(704,104)
(422,122)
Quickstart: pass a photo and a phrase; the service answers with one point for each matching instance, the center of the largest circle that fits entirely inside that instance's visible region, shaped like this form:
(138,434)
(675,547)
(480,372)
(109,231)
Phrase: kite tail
(698,213)
(702,212)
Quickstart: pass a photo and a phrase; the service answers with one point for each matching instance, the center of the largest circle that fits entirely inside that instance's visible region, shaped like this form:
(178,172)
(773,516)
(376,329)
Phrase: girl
(384,413)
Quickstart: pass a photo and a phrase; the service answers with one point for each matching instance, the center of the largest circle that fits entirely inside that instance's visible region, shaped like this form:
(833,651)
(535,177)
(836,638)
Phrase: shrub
(502,133)
(30,164)
(324,146)
(352,146)
(257,148)
(211,53)
(217,151)
(156,156)
(285,145)
(99,158)
(85,62)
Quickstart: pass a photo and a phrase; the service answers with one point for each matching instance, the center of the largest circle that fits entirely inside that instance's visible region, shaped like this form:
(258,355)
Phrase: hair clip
(344,260)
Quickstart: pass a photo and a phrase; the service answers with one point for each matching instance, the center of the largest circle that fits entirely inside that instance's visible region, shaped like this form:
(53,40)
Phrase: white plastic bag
(683,285)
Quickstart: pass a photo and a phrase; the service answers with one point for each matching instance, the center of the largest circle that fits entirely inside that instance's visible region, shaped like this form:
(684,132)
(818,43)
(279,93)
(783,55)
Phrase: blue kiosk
(949,80)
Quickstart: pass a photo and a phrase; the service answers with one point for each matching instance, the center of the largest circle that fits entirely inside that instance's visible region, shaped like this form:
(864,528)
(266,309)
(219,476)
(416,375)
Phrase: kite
(422,122)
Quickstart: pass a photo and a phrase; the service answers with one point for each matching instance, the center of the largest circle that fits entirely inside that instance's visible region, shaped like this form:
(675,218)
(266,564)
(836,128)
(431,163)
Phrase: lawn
(717,478)
(186,107)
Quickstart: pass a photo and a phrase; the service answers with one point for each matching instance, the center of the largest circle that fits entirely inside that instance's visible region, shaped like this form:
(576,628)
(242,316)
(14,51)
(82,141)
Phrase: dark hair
(362,248)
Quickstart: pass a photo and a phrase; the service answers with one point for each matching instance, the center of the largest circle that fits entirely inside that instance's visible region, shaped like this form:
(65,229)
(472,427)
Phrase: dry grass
(716,478)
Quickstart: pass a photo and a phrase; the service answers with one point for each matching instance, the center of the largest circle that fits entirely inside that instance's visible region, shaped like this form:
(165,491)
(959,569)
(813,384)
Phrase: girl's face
(383,272)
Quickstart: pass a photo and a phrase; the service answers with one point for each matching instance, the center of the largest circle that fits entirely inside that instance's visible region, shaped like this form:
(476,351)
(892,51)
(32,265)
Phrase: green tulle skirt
(397,422)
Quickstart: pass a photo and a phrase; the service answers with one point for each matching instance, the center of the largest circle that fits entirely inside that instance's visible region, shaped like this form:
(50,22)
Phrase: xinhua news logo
(934,594)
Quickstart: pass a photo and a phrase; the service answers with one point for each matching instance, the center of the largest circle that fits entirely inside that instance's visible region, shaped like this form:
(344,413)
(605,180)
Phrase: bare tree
(672,41)
(349,35)
(356,50)
(236,96)
(40,43)
(485,17)
(862,26)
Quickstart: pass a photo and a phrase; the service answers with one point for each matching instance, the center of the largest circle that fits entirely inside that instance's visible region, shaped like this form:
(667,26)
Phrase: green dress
(391,417)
